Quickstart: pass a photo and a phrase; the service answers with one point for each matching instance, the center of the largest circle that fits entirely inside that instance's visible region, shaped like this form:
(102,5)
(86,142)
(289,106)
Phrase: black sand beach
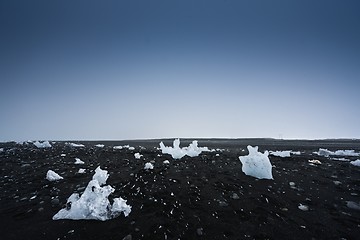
(204,197)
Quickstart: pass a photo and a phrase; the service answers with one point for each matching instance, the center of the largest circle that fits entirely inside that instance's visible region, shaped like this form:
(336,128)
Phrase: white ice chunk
(44,144)
(125,146)
(166,162)
(327,153)
(94,202)
(350,153)
(193,150)
(256,164)
(75,145)
(176,152)
(295,152)
(341,159)
(53,176)
(137,155)
(78,161)
(314,161)
(100,145)
(63,155)
(356,163)
(280,153)
(148,166)
(324,152)
(81,170)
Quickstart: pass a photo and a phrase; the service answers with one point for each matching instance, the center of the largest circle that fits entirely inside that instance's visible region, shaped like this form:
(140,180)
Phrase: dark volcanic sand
(192,198)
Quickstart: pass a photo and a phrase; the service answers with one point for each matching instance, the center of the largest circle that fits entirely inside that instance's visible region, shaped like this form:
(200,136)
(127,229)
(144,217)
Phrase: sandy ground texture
(204,197)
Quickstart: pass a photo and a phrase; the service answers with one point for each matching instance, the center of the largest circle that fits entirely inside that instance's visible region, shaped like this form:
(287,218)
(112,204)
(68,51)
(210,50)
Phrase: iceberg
(44,144)
(94,204)
(256,164)
(53,176)
(176,152)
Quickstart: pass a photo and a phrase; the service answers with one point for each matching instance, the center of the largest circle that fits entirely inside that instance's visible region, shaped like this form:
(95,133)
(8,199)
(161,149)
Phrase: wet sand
(204,197)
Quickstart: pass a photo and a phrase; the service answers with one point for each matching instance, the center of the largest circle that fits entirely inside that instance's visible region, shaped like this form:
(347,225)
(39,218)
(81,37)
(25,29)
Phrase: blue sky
(154,69)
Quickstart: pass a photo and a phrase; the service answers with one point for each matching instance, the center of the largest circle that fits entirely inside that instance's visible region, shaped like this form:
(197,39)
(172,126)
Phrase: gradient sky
(73,70)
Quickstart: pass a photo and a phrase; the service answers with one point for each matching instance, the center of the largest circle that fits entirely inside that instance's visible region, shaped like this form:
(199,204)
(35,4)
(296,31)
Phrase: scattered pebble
(337,183)
(223,204)
(127,237)
(353,205)
(55,202)
(235,196)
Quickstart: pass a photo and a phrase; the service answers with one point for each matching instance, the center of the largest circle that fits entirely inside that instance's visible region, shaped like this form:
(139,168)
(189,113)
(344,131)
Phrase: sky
(132,69)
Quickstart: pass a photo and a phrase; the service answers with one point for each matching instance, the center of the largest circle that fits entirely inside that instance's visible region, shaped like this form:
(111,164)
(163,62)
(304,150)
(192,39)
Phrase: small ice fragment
(78,161)
(356,163)
(137,155)
(166,162)
(120,205)
(52,176)
(44,144)
(100,145)
(63,155)
(292,184)
(327,153)
(148,166)
(350,153)
(303,207)
(75,145)
(131,148)
(81,170)
(280,153)
(315,161)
